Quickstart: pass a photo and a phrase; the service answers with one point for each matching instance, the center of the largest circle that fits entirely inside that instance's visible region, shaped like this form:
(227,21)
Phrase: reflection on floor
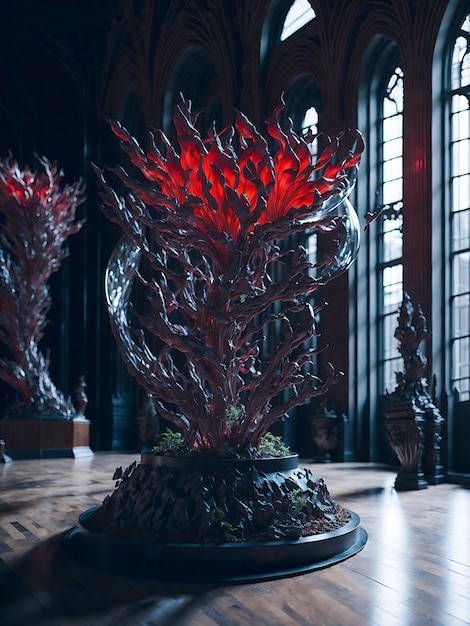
(414,570)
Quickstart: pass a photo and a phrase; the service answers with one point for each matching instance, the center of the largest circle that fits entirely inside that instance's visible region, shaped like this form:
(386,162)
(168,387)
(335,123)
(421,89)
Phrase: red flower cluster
(225,194)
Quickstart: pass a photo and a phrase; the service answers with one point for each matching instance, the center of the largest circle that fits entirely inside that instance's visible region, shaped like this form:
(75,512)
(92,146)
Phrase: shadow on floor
(45,587)
(363,493)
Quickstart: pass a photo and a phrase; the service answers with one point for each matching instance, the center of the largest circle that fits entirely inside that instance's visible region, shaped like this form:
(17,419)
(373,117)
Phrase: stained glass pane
(390,108)
(392,242)
(459,51)
(392,288)
(393,169)
(390,236)
(460,215)
(390,349)
(393,101)
(461,359)
(312,252)
(393,149)
(299,14)
(461,321)
(311,119)
(392,128)
(461,230)
(461,273)
(392,191)
(460,118)
(461,193)
(310,123)
(460,157)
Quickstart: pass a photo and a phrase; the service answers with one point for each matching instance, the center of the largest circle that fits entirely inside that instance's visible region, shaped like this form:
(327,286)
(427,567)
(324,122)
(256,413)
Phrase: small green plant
(225,450)
(271,445)
(299,501)
(170,441)
(218,516)
(233,413)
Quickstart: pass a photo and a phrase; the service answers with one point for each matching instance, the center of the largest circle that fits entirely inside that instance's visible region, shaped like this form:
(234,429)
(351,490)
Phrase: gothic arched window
(459,259)
(376,286)
(390,223)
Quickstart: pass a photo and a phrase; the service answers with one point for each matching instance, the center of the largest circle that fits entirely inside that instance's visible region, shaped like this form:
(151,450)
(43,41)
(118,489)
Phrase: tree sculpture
(208,223)
(37,215)
(203,240)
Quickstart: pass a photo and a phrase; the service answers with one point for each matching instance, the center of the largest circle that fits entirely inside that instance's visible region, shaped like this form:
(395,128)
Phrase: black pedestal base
(437,477)
(409,481)
(140,556)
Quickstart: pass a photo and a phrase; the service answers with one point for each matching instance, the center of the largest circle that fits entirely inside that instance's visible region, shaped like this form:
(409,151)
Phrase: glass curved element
(337,217)
(344,188)
(345,246)
(119,278)
(353,234)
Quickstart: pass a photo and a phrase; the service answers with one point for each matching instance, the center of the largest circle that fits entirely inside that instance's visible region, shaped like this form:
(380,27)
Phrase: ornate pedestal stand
(324,429)
(413,422)
(405,430)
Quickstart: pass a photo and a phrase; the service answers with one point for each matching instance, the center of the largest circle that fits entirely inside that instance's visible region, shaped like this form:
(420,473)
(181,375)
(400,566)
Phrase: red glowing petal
(274,128)
(327,154)
(191,145)
(254,155)
(224,194)
(332,171)
(166,169)
(301,150)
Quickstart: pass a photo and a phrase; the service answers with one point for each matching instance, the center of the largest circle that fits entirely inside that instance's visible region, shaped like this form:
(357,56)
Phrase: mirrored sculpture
(37,215)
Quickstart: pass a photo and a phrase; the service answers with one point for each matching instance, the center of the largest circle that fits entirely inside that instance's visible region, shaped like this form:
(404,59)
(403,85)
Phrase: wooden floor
(414,570)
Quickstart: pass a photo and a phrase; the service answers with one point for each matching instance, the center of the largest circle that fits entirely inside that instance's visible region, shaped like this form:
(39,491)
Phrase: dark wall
(51,55)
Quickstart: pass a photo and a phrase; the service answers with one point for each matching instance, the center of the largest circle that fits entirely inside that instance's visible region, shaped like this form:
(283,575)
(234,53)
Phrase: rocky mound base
(226,505)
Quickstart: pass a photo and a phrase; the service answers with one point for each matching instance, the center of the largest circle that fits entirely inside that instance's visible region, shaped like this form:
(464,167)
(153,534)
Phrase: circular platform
(138,556)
